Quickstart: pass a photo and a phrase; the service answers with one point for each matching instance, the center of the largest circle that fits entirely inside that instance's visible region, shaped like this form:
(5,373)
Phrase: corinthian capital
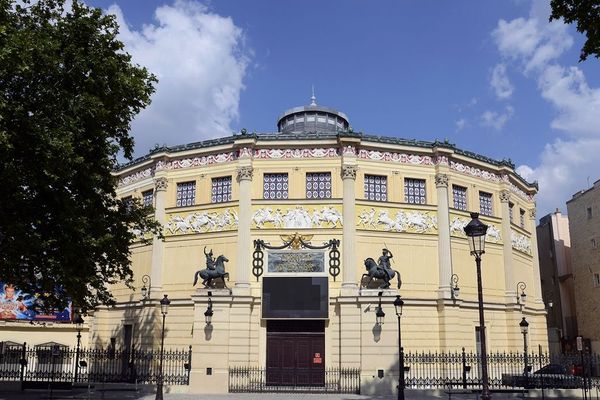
(504,196)
(441,180)
(160,184)
(244,174)
(349,172)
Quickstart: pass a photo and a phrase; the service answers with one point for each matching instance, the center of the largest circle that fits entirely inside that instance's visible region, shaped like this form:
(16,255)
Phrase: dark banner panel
(295,297)
(16,304)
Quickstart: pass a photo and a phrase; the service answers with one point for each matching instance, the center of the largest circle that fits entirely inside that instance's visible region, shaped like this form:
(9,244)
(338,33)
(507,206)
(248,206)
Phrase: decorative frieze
(297,217)
(349,151)
(138,176)
(196,161)
(521,242)
(245,152)
(401,158)
(295,153)
(396,220)
(440,160)
(520,193)
(457,229)
(225,219)
(473,171)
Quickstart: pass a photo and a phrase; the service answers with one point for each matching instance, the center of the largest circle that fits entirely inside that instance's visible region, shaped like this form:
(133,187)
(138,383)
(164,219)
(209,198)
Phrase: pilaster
(244,237)
(444,252)
(158,245)
(534,257)
(507,251)
(349,276)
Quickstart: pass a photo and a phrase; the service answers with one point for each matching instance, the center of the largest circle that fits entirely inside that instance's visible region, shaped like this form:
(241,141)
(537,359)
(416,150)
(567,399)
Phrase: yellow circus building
(295,216)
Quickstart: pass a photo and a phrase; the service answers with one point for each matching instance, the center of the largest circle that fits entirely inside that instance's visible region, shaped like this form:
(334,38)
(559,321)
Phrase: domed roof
(311,119)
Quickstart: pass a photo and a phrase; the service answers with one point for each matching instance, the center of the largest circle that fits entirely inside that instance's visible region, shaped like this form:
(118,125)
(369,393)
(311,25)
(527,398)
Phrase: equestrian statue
(381,269)
(215,269)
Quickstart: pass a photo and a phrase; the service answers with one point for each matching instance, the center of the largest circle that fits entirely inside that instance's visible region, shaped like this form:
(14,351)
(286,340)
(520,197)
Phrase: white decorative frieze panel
(401,158)
(457,228)
(138,176)
(217,220)
(196,161)
(296,153)
(473,171)
(297,217)
(396,220)
(521,243)
(520,193)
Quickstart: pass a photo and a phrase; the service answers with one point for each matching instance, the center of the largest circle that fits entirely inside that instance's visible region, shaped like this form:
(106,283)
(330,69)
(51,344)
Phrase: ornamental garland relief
(393,220)
(521,242)
(457,228)
(402,158)
(297,217)
(295,153)
(202,222)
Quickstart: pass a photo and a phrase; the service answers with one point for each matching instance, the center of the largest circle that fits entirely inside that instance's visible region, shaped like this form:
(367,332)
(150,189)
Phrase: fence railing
(255,379)
(63,364)
(506,370)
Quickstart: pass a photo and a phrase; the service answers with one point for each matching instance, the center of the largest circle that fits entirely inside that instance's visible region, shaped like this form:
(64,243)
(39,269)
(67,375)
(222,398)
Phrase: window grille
(485,203)
(459,193)
(148,198)
(376,187)
(128,202)
(186,194)
(318,185)
(275,186)
(522,218)
(221,189)
(414,191)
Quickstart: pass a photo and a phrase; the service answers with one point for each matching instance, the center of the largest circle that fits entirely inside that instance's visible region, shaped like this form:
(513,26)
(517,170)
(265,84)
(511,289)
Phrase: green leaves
(587,15)
(68,94)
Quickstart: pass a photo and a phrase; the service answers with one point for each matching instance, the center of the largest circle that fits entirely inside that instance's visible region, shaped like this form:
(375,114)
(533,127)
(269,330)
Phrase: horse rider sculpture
(381,270)
(215,269)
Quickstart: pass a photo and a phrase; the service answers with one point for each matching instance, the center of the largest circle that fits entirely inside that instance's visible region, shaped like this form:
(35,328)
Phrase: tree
(68,93)
(587,15)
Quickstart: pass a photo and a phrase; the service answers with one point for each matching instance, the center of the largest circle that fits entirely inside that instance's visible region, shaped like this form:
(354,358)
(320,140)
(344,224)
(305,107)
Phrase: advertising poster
(18,305)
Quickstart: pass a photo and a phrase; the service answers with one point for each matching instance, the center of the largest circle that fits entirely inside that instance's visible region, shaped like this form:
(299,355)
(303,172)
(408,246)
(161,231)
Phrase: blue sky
(492,77)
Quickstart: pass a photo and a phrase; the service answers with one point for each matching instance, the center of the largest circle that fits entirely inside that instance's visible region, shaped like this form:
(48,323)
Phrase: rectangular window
(376,187)
(414,191)
(459,193)
(221,190)
(589,212)
(596,279)
(128,202)
(522,218)
(275,186)
(485,203)
(511,206)
(186,194)
(148,198)
(318,185)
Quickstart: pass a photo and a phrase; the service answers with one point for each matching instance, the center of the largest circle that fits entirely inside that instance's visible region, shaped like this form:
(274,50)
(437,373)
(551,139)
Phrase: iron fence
(59,364)
(254,379)
(506,370)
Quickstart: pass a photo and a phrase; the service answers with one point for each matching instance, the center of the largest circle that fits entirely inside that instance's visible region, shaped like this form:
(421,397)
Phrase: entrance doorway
(296,353)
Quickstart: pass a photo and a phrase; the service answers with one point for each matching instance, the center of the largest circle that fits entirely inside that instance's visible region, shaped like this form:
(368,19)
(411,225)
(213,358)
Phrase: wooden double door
(296,353)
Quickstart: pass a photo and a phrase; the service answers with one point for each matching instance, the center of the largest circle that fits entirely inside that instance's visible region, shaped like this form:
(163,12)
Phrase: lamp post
(79,321)
(146,289)
(455,289)
(475,231)
(164,309)
(524,325)
(398,304)
(208,313)
(521,298)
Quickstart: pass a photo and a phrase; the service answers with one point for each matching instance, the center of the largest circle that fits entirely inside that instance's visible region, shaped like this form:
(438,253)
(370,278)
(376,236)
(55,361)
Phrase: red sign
(317,359)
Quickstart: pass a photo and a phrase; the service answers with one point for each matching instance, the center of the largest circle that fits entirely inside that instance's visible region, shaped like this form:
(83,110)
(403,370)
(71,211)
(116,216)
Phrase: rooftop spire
(313,99)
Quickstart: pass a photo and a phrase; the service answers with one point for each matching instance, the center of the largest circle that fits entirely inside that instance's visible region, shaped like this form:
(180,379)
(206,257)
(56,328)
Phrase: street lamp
(521,298)
(379,314)
(398,304)
(455,289)
(164,309)
(79,321)
(475,231)
(208,313)
(524,325)
(146,290)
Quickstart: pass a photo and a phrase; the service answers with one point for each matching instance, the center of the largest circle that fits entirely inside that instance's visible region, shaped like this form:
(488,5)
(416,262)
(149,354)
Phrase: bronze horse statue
(381,270)
(210,274)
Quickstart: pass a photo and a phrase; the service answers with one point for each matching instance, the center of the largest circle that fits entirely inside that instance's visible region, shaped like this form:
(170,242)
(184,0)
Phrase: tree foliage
(587,15)
(68,93)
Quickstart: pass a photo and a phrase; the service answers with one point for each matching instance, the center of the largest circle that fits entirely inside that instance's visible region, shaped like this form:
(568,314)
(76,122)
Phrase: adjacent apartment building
(584,226)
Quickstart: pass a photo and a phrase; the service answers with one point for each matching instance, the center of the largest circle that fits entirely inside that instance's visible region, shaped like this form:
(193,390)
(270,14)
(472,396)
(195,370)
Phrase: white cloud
(500,82)
(200,61)
(535,45)
(460,124)
(497,120)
